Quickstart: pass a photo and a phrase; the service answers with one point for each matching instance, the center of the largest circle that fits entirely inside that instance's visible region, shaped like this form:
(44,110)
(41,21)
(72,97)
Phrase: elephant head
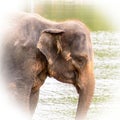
(68,51)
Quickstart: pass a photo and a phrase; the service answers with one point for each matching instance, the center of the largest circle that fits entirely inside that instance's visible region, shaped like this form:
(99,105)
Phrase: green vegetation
(61,10)
(87,14)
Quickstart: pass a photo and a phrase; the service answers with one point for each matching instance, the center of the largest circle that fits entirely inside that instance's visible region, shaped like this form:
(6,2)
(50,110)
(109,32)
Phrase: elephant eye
(80,60)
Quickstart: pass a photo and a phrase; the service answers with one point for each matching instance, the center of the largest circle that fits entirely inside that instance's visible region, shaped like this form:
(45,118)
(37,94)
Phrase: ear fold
(50,43)
(53,31)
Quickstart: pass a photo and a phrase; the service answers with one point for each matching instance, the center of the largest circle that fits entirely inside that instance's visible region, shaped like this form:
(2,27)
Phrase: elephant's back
(13,53)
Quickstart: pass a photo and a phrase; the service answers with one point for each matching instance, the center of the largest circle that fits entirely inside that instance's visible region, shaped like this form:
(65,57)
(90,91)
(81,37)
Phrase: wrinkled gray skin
(34,48)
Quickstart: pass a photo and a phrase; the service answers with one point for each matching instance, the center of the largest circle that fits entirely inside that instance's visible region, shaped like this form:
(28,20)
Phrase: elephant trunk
(85,88)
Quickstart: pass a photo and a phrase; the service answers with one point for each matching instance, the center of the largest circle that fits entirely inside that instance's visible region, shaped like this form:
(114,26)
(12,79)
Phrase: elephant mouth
(64,76)
(69,77)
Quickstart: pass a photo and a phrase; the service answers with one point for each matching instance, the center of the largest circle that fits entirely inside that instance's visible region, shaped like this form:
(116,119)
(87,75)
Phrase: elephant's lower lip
(70,81)
(69,75)
(64,79)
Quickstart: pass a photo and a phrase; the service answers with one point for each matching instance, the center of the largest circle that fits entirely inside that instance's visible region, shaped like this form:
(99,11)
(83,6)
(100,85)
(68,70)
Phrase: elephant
(34,47)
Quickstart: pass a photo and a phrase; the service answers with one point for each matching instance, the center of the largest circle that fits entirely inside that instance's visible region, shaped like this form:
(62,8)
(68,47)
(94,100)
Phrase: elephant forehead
(76,45)
(74,40)
(79,48)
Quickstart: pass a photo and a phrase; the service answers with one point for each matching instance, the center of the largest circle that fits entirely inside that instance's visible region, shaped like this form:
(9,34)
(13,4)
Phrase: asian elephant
(34,48)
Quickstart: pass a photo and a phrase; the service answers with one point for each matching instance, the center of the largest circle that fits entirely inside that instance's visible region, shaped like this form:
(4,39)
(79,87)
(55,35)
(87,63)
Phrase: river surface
(58,101)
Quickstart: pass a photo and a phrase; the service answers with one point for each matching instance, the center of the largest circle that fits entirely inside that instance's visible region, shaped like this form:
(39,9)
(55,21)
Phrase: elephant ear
(50,43)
